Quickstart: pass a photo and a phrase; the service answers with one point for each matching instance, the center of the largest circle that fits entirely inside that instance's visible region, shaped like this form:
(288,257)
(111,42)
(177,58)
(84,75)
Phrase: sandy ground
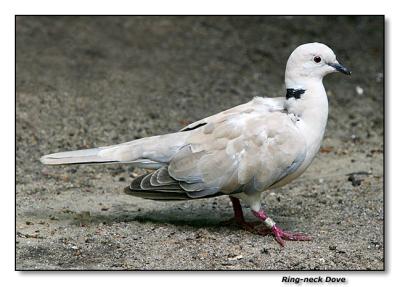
(84,82)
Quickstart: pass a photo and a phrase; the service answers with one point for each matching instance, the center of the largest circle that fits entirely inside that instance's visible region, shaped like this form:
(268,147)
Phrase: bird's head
(310,62)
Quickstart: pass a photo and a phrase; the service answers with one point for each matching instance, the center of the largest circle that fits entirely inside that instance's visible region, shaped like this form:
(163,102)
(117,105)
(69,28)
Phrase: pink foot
(249,226)
(281,235)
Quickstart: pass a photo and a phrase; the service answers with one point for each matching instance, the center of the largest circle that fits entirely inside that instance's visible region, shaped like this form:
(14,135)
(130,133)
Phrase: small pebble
(265,251)
(359,90)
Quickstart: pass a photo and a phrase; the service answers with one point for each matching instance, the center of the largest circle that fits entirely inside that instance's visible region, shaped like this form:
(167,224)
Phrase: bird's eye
(317,59)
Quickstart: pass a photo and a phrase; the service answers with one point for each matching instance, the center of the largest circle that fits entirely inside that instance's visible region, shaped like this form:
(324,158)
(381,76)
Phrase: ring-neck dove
(241,152)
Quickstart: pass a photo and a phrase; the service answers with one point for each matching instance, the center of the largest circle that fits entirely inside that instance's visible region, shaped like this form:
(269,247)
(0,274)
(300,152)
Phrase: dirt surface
(84,82)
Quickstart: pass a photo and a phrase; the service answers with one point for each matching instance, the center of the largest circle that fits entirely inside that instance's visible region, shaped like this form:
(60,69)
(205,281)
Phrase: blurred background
(91,81)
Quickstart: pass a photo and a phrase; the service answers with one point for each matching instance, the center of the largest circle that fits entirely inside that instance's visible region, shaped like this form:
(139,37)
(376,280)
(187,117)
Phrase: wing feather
(247,148)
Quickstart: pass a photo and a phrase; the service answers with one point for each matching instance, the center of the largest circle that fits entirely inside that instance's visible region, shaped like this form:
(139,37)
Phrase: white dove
(241,152)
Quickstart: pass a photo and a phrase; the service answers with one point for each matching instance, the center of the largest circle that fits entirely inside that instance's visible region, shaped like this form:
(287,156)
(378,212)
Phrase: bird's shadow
(196,218)
(160,217)
(205,216)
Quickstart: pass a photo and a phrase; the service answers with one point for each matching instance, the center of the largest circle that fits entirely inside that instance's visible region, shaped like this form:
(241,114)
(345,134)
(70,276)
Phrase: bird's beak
(340,68)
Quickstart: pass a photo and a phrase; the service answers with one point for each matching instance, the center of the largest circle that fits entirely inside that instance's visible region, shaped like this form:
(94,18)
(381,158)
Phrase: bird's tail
(92,155)
(150,152)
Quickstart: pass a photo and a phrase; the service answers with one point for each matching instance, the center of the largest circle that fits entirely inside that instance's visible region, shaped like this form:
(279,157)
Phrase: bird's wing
(244,149)
(258,103)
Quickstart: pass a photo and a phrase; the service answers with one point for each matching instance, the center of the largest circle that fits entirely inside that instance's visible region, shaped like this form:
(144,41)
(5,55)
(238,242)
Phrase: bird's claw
(248,226)
(281,235)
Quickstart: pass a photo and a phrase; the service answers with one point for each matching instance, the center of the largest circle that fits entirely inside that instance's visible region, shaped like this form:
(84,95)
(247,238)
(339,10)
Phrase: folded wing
(244,149)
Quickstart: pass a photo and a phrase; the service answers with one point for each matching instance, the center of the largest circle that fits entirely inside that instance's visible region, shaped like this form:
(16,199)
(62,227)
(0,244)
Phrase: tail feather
(76,157)
(150,152)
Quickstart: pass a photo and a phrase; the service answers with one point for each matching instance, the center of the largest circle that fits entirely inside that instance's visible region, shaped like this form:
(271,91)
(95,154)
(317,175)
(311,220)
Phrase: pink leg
(237,208)
(238,212)
(279,234)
